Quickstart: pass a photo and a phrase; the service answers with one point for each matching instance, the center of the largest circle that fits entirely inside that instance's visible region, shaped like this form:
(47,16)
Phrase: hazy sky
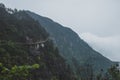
(96,21)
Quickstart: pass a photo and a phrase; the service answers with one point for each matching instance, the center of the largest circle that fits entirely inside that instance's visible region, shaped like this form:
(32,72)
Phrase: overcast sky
(96,21)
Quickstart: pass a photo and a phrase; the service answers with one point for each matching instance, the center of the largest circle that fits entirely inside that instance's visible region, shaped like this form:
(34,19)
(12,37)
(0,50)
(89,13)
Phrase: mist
(108,46)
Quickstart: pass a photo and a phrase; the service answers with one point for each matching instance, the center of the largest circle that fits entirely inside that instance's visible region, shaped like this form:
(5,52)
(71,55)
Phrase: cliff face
(72,47)
(23,41)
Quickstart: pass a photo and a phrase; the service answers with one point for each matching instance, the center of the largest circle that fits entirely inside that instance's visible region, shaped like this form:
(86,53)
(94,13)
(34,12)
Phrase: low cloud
(107,46)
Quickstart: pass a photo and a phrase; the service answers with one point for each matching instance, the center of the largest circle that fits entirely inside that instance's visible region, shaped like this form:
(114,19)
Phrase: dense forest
(20,59)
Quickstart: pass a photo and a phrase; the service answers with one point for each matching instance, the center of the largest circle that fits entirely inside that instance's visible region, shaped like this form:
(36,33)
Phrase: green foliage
(35,66)
(21,72)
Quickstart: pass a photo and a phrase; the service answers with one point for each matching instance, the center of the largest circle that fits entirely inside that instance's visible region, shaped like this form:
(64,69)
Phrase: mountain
(23,41)
(75,51)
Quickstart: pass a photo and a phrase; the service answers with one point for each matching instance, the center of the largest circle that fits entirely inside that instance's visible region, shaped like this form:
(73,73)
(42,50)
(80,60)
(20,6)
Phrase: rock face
(76,52)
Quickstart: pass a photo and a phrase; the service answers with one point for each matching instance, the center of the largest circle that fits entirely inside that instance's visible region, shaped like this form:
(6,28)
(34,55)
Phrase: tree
(16,72)
(115,72)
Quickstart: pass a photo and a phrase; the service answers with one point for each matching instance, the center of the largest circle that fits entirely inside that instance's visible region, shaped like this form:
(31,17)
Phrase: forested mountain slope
(76,52)
(19,34)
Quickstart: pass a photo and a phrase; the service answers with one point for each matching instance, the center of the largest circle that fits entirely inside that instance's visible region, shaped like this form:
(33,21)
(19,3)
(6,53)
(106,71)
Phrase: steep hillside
(23,41)
(72,47)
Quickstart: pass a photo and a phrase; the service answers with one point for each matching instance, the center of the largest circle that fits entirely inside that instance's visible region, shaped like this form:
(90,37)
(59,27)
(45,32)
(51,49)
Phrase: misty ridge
(34,47)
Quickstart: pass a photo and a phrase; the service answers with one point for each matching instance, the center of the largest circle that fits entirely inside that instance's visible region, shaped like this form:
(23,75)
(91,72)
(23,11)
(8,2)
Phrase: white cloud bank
(107,46)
